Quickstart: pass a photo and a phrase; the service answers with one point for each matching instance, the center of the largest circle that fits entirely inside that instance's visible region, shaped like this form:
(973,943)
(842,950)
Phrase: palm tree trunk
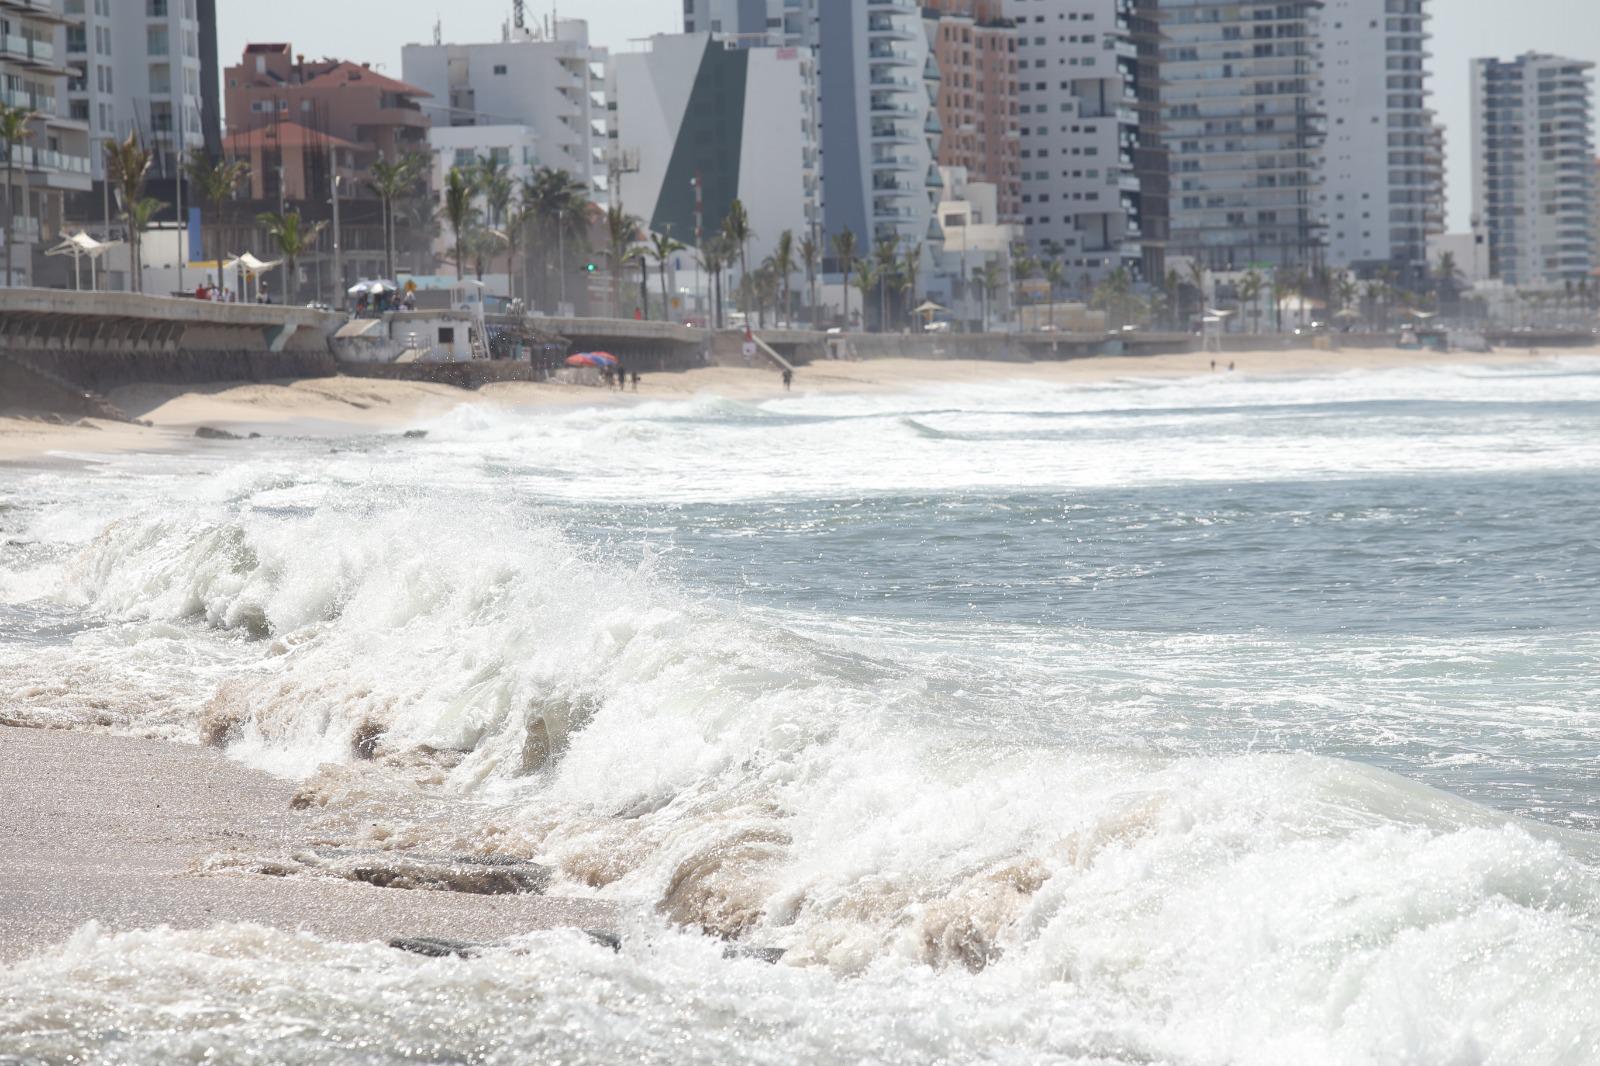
(11,209)
(663,268)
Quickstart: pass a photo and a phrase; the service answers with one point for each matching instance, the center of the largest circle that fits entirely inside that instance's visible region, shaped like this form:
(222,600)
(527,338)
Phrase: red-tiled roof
(285,135)
(345,72)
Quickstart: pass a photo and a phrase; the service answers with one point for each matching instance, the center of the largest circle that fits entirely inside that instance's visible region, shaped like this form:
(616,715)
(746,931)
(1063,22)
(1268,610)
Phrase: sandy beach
(336,406)
(120,831)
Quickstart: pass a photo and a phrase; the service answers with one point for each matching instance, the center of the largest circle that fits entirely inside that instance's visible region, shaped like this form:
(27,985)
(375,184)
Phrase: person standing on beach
(788,379)
(635,381)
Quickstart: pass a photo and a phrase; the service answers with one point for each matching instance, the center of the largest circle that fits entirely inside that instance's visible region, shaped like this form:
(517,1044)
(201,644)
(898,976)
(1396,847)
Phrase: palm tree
(127,164)
(1115,297)
(844,250)
(808,259)
(217,180)
(293,239)
(910,269)
(1055,274)
(989,278)
(866,278)
(516,223)
(555,203)
(15,127)
(1172,286)
(622,229)
(493,181)
(139,215)
(481,244)
(712,261)
(1448,279)
(737,226)
(1249,295)
(391,181)
(662,248)
(458,209)
(887,256)
(783,264)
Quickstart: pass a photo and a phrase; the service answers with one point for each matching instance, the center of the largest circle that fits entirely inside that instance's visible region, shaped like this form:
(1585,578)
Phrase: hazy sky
(375,31)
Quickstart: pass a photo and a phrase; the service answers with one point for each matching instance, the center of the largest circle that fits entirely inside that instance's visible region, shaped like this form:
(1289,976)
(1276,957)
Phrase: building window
(447,334)
(500,68)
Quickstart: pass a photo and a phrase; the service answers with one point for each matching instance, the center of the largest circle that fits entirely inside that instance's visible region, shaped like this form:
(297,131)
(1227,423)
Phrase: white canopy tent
(78,245)
(247,263)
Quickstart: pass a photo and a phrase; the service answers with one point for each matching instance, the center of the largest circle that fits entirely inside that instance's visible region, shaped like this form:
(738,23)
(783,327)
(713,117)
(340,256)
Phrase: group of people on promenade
(211,292)
(618,378)
(385,301)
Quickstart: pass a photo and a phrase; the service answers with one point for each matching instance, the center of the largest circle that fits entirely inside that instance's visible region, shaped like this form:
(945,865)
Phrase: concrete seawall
(59,349)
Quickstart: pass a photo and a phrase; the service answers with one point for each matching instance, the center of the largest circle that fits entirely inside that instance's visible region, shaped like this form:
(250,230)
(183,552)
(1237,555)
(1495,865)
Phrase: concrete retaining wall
(103,371)
(471,375)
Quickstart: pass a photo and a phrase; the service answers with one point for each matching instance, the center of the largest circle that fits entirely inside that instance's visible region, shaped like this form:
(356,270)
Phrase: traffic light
(590,268)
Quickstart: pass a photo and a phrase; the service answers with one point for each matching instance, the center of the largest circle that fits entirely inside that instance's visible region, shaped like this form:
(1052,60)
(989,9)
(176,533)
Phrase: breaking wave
(753,783)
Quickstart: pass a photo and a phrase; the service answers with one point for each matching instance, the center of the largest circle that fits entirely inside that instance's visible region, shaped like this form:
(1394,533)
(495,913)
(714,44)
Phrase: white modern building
(1244,130)
(55,159)
(554,87)
(974,238)
(1377,188)
(1533,167)
(877,86)
(142,72)
(773,23)
(703,123)
(1094,171)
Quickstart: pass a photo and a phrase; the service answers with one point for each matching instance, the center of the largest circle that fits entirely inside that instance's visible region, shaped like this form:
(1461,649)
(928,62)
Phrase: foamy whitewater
(1228,720)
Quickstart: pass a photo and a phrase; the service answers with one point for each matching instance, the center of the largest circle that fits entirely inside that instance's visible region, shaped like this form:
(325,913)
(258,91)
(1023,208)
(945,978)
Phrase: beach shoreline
(342,406)
(124,831)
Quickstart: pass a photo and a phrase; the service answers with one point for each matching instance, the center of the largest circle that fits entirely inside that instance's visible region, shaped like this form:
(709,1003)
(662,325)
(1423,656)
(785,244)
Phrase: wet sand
(115,830)
(337,406)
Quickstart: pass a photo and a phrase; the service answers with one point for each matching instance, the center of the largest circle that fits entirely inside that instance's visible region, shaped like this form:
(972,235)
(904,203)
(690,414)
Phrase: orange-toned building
(349,101)
(300,123)
(975,48)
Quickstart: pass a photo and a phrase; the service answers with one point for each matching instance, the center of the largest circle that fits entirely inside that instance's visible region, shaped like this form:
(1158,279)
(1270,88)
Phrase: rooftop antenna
(519,14)
(438,30)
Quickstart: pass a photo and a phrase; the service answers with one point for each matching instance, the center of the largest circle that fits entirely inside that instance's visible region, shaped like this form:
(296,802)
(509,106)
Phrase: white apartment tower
(877,86)
(1380,182)
(1244,130)
(774,23)
(1533,167)
(142,73)
(55,159)
(553,87)
(1094,170)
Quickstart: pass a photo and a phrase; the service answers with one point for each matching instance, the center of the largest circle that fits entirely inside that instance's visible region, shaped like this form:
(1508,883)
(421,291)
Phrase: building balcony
(43,159)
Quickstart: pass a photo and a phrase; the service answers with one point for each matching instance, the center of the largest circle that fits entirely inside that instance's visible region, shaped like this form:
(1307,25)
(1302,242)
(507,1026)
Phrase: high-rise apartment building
(554,86)
(1244,129)
(708,123)
(1435,216)
(1094,167)
(774,23)
(1378,184)
(975,47)
(147,67)
(878,86)
(55,159)
(1533,166)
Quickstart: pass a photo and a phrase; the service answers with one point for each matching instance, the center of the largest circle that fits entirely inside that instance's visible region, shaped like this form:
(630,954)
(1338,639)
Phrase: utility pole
(177,158)
(338,253)
(699,227)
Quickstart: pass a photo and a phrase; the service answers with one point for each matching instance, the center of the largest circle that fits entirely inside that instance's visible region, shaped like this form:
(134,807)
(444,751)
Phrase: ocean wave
(755,784)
